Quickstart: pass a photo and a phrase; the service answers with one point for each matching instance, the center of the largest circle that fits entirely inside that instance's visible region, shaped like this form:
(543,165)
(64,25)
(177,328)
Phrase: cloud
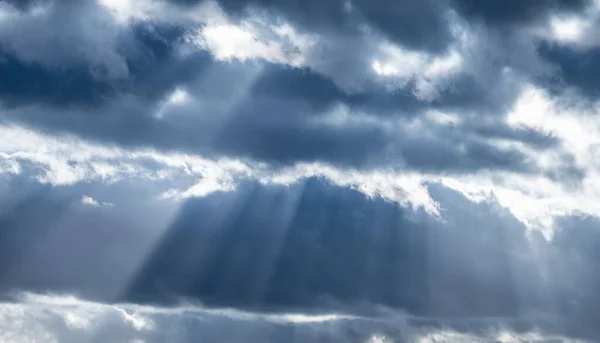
(68,161)
(268,121)
(88,200)
(574,75)
(434,157)
(511,12)
(57,29)
(262,110)
(61,160)
(68,319)
(343,16)
(257,130)
(322,247)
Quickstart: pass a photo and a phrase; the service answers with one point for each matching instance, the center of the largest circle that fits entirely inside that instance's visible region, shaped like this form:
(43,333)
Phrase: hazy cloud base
(36,318)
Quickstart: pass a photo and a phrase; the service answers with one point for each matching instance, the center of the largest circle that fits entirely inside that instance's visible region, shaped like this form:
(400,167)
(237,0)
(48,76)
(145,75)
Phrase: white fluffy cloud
(88,200)
(575,30)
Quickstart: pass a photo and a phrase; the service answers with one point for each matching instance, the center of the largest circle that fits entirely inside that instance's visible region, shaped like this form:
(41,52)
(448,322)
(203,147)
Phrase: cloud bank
(68,319)
(434,158)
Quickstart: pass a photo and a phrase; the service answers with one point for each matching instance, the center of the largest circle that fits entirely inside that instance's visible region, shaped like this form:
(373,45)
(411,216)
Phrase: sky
(360,171)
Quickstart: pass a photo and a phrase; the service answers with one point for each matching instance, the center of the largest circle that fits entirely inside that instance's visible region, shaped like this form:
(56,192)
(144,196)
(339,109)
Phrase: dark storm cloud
(418,25)
(253,110)
(149,54)
(515,11)
(578,67)
(23,84)
(426,26)
(282,104)
(325,241)
(462,93)
(269,129)
(311,246)
(155,68)
(257,110)
(422,25)
(315,244)
(72,69)
(566,65)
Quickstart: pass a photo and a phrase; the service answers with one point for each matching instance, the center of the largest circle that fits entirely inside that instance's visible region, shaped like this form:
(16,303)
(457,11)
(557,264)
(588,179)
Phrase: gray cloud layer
(68,319)
(310,247)
(417,87)
(271,107)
